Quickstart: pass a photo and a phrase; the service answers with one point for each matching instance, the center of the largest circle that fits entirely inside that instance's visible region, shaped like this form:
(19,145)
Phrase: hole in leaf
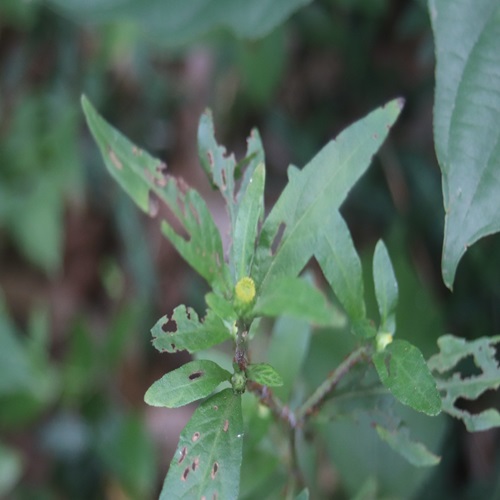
(153,205)
(183,454)
(226,425)
(215,468)
(195,464)
(210,157)
(169,326)
(161,178)
(216,407)
(173,347)
(185,474)
(223,174)
(195,375)
(277,238)
(195,437)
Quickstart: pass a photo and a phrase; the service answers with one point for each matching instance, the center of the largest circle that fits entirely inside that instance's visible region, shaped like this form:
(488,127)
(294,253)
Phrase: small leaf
(264,374)
(145,180)
(452,351)
(298,298)
(208,458)
(246,226)
(287,240)
(466,118)
(191,334)
(192,381)
(341,266)
(416,453)
(403,370)
(386,288)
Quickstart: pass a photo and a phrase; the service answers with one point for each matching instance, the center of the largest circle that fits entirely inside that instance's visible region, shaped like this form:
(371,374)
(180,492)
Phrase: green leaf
(11,468)
(466,121)
(416,453)
(176,22)
(145,180)
(287,350)
(386,288)
(303,495)
(341,266)
(264,374)
(313,194)
(298,298)
(192,381)
(208,458)
(191,334)
(403,370)
(452,351)
(247,221)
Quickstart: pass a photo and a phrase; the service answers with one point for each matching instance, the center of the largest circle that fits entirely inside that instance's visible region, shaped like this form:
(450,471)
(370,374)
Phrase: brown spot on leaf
(183,454)
(185,474)
(195,437)
(226,426)
(115,160)
(153,206)
(216,407)
(172,346)
(215,468)
(195,375)
(210,157)
(195,464)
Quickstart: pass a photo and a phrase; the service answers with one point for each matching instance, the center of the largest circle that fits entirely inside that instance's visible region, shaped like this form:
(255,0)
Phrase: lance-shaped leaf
(190,333)
(145,180)
(208,459)
(341,266)
(249,214)
(399,440)
(298,298)
(221,168)
(466,121)
(403,370)
(386,288)
(264,374)
(454,349)
(192,381)
(289,236)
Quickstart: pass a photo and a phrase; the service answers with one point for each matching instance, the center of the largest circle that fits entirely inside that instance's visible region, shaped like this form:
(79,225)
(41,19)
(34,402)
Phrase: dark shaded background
(84,275)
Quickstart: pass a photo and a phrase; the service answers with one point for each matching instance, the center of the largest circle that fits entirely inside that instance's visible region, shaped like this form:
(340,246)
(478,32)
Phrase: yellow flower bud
(245,290)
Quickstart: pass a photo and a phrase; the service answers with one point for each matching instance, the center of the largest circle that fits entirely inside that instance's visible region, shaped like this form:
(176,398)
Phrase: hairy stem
(321,393)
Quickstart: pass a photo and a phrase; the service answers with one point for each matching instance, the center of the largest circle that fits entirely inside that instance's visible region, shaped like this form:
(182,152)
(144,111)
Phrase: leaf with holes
(403,370)
(399,440)
(145,180)
(208,458)
(341,266)
(190,333)
(222,169)
(467,121)
(289,236)
(386,288)
(264,374)
(289,296)
(452,351)
(190,382)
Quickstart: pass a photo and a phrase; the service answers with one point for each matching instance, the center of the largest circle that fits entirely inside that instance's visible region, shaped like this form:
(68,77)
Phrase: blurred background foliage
(83,276)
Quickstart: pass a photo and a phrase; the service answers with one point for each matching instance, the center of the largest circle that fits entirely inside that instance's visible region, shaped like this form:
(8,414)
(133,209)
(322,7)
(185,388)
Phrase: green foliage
(452,351)
(174,22)
(190,382)
(208,457)
(264,374)
(466,117)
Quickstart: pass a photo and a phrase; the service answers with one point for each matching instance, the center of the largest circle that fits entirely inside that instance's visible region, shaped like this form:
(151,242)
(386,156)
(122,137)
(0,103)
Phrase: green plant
(259,278)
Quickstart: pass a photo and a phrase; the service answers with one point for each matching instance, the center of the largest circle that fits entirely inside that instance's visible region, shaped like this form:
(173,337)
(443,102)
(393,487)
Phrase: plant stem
(320,394)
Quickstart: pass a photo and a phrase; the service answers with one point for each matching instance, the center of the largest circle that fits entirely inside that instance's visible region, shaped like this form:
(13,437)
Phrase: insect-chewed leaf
(145,180)
(288,240)
(454,349)
(296,297)
(208,459)
(386,288)
(403,370)
(416,453)
(190,334)
(264,374)
(192,381)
